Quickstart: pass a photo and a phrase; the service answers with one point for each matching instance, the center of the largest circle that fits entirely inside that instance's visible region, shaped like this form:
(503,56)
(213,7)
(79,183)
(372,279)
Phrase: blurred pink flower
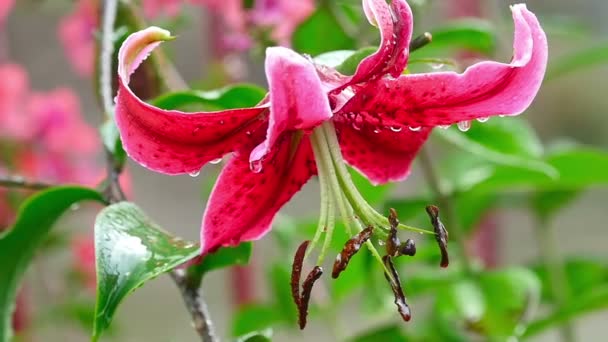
(76,33)
(14,89)
(83,259)
(156,8)
(282,15)
(5,8)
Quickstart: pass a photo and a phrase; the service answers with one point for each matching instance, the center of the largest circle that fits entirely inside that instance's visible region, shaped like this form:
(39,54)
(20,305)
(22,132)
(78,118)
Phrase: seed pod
(351,247)
(395,282)
(312,277)
(441,234)
(296,271)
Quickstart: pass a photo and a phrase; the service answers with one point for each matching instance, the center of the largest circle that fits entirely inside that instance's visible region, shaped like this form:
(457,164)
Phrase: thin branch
(195,305)
(107,50)
(445,203)
(22,183)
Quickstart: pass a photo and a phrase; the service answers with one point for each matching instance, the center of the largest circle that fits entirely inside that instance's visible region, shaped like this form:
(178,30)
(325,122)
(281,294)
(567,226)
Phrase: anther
(296,271)
(395,282)
(351,247)
(408,248)
(394,247)
(441,234)
(312,277)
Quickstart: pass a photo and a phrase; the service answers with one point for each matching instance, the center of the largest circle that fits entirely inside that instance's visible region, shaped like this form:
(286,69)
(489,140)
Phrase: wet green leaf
(35,219)
(350,64)
(468,34)
(130,250)
(320,33)
(234,96)
(548,203)
(254,318)
(583,275)
(334,58)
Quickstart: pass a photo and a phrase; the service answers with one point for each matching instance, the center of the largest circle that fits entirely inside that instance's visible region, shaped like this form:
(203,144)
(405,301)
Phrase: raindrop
(248,132)
(195,173)
(216,161)
(377,130)
(196,130)
(255,166)
(437,66)
(75,207)
(396,129)
(444,126)
(221,122)
(381,242)
(356,126)
(415,128)
(464,125)
(501,115)
(483,119)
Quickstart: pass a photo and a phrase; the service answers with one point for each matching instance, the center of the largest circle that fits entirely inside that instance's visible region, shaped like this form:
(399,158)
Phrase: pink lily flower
(5,8)
(314,120)
(76,33)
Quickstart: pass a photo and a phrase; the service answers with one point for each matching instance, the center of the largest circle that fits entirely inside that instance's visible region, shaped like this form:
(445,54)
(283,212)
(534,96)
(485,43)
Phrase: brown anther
(441,234)
(296,271)
(351,247)
(420,41)
(312,277)
(408,248)
(395,282)
(392,241)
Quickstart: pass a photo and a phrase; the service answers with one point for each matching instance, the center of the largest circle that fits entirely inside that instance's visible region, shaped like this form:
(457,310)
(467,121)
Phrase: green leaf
(320,33)
(373,194)
(234,96)
(578,168)
(280,278)
(223,257)
(583,275)
(254,318)
(333,58)
(391,333)
(467,34)
(130,250)
(584,303)
(581,59)
(548,203)
(350,64)
(35,219)
(508,142)
(256,336)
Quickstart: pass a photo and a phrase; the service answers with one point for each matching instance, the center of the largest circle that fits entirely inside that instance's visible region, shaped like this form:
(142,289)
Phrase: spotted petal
(381,155)
(171,141)
(297,99)
(396,26)
(244,203)
(484,89)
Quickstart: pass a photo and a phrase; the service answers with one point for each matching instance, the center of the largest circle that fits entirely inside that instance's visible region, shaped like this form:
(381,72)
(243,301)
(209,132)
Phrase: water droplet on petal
(216,161)
(196,130)
(195,173)
(415,128)
(464,125)
(444,126)
(377,130)
(484,119)
(501,115)
(221,122)
(396,129)
(356,126)
(248,132)
(255,166)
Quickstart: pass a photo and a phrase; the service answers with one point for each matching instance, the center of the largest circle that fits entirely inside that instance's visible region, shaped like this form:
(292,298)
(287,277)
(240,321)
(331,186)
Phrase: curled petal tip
(136,48)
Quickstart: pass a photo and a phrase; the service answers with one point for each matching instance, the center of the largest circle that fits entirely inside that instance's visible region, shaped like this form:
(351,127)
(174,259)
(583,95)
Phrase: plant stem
(22,183)
(445,203)
(114,193)
(557,274)
(195,304)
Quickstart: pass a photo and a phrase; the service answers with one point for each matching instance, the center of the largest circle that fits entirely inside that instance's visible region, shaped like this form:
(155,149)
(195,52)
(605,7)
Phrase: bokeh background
(573,106)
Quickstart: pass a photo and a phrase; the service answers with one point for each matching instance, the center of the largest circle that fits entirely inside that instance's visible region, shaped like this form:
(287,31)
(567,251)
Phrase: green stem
(107,50)
(22,183)
(445,203)
(557,274)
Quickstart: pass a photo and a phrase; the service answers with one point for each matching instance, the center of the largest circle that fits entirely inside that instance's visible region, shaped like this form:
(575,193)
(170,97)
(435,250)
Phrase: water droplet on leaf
(464,125)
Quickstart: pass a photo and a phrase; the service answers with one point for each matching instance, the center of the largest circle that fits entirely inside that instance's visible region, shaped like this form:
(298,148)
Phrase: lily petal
(297,99)
(484,89)
(396,25)
(382,156)
(171,141)
(244,203)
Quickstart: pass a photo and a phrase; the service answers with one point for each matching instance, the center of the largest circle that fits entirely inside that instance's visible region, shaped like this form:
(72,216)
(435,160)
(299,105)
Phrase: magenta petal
(243,203)
(297,98)
(484,89)
(382,156)
(396,26)
(170,141)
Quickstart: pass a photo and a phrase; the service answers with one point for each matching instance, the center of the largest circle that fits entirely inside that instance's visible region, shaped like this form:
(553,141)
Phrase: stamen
(394,247)
(441,234)
(408,248)
(395,282)
(296,272)
(351,247)
(313,276)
